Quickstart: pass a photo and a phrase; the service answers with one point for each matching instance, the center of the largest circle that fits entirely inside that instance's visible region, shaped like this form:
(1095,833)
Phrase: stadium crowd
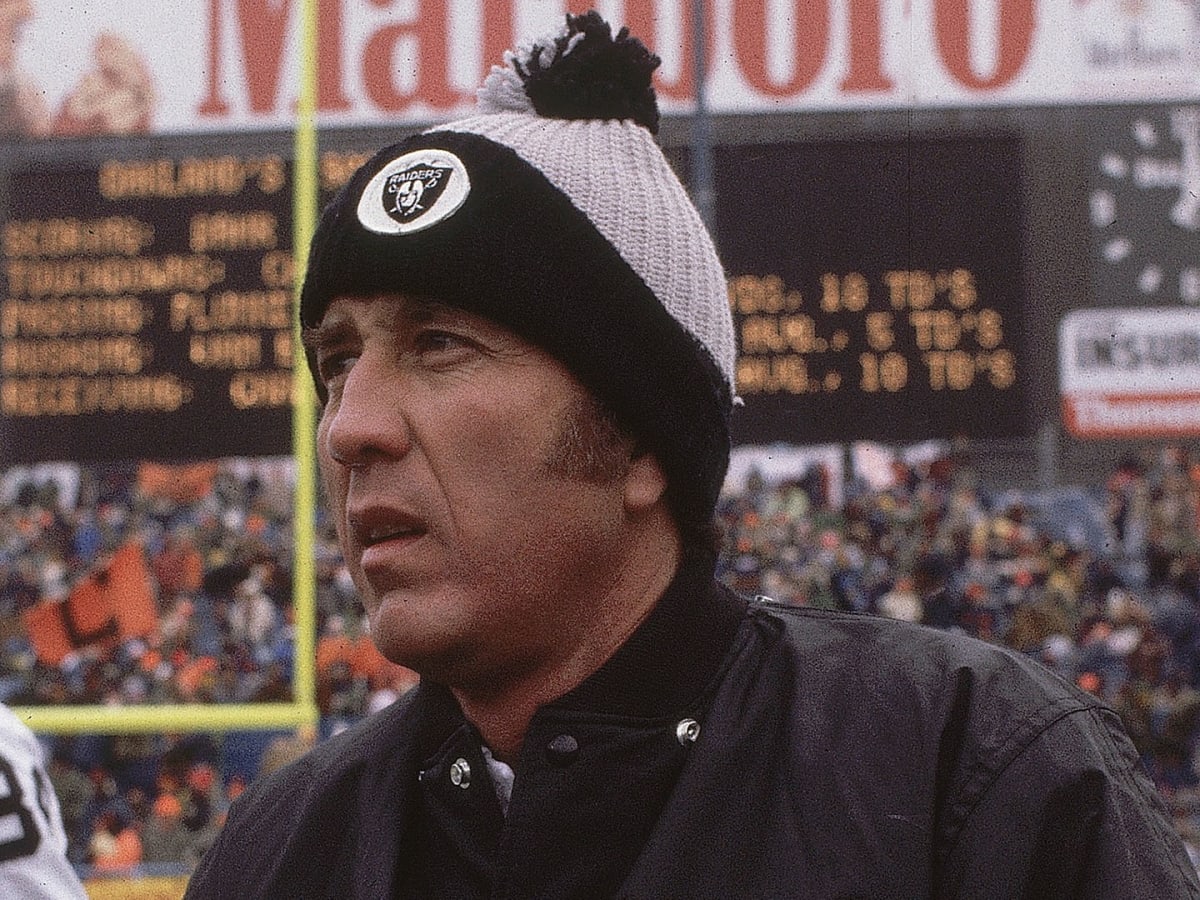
(1101,583)
(216,541)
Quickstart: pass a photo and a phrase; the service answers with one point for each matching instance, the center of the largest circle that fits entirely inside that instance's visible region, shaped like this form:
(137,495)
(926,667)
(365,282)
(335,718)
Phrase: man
(521,337)
(33,844)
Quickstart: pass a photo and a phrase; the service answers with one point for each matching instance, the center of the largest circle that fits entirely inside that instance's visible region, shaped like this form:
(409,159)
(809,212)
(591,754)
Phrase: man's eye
(334,365)
(438,342)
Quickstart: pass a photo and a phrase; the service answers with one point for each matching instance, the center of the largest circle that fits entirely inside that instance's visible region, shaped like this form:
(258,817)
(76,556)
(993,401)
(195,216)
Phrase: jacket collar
(664,668)
(673,655)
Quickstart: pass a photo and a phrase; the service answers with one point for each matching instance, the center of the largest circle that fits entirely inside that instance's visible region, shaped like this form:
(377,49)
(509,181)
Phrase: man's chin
(419,645)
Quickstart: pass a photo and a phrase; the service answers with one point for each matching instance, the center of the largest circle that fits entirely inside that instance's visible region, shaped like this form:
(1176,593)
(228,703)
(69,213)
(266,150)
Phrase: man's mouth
(380,535)
(373,530)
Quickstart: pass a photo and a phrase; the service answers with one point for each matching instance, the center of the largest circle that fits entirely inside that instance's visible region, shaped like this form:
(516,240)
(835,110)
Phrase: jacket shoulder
(938,748)
(293,823)
(908,655)
(941,693)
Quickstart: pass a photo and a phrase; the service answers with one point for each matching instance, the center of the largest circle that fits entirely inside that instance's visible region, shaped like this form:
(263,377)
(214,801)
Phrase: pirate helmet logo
(409,193)
(413,192)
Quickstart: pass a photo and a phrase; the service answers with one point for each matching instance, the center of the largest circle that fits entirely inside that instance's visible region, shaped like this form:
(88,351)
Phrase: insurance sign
(1130,372)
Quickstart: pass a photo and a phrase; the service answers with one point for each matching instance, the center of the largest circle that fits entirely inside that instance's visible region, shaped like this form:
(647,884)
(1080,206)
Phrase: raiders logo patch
(414,191)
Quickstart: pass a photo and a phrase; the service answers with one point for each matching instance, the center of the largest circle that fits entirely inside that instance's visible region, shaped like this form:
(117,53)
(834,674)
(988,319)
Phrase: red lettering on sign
(416,35)
(865,49)
(331,90)
(264,28)
(810,42)
(498,33)
(213,104)
(642,18)
(1014,24)
(430,29)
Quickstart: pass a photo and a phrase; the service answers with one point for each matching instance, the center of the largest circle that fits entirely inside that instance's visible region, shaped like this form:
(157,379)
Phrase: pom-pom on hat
(553,212)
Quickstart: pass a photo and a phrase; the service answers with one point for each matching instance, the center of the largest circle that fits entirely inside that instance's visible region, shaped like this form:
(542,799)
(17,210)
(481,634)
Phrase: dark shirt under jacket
(838,755)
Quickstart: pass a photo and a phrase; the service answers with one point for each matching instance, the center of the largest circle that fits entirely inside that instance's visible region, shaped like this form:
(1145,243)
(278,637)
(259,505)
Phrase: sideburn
(590,446)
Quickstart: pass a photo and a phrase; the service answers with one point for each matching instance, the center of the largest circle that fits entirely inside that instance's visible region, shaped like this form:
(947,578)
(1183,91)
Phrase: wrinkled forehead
(395,311)
(398,314)
(393,307)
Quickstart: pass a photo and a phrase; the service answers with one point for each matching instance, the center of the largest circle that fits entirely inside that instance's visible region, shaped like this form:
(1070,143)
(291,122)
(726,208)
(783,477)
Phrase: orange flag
(44,623)
(187,483)
(114,602)
(130,593)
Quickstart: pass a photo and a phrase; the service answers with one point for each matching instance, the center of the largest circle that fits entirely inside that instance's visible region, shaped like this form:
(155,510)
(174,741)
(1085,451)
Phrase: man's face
(478,536)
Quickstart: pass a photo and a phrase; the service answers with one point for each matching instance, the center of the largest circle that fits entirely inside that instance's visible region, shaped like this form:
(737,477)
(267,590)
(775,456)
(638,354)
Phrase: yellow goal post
(302,710)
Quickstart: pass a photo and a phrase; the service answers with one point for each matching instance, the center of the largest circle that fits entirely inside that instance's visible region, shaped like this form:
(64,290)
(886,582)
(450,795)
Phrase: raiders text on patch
(414,191)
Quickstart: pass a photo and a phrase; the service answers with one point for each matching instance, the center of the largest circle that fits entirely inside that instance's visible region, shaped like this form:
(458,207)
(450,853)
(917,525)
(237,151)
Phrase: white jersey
(33,844)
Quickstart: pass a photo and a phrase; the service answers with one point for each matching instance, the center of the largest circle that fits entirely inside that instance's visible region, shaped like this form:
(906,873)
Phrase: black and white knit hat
(554,213)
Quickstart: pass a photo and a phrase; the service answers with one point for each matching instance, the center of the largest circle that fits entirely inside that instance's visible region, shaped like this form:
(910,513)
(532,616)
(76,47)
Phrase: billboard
(1131,372)
(220,65)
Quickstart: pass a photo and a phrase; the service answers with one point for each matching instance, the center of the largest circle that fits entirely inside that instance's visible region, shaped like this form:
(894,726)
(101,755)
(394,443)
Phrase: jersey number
(14,810)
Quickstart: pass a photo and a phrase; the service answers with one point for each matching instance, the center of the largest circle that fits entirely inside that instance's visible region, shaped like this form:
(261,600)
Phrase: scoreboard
(877,288)
(147,310)
(893,278)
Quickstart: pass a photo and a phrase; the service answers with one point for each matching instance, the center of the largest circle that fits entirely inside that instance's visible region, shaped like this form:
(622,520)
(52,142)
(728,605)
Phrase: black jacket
(838,756)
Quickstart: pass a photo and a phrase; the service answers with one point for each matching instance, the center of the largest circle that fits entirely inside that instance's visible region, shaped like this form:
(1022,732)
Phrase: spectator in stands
(202,796)
(902,602)
(521,337)
(115,846)
(164,837)
(74,791)
(178,567)
(252,617)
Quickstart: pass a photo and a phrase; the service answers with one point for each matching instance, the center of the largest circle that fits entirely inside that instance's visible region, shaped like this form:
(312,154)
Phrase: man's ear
(645,482)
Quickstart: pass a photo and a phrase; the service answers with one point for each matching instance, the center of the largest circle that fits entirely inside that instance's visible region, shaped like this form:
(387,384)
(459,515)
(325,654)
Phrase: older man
(521,337)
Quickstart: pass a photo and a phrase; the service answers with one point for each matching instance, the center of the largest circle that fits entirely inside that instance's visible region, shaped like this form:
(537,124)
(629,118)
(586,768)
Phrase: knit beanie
(553,212)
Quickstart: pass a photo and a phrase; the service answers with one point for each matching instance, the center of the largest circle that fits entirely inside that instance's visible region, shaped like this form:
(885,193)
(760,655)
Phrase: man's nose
(368,422)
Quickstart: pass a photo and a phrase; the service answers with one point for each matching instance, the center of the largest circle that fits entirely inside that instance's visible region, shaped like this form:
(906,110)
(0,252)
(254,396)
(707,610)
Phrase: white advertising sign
(122,66)
(1130,372)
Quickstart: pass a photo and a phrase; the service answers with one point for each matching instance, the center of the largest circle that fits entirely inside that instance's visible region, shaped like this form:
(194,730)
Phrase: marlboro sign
(222,65)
